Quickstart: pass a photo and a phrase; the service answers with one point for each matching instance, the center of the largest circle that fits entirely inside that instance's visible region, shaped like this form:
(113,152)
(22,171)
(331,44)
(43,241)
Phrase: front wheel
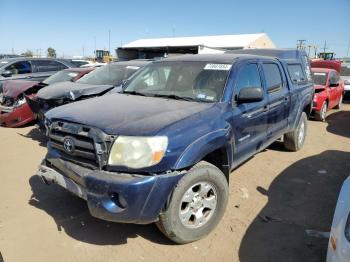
(321,115)
(295,139)
(197,204)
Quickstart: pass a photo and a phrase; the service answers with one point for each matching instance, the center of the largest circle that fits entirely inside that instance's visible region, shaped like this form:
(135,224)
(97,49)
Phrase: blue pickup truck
(162,150)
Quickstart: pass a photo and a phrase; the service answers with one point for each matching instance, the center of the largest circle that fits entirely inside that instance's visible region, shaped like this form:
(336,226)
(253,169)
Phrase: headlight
(137,152)
(19,102)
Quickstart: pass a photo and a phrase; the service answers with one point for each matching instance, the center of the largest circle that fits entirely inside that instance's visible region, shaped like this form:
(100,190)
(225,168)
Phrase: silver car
(345,75)
(339,240)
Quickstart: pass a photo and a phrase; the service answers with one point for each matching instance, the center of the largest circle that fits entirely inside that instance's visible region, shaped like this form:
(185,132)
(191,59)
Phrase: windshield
(111,74)
(60,77)
(198,81)
(345,71)
(319,78)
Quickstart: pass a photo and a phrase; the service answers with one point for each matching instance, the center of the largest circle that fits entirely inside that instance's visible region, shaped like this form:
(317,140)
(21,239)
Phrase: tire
(338,106)
(294,140)
(204,184)
(321,115)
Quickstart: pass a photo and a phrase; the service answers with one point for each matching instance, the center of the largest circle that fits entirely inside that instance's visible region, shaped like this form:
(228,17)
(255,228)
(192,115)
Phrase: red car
(14,110)
(329,88)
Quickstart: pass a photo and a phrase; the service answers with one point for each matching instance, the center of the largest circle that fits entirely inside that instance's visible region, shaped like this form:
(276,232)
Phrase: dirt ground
(274,198)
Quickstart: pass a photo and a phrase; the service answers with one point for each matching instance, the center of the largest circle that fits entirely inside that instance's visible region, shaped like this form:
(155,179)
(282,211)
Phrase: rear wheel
(338,106)
(294,140)
(197,204)
(321,115)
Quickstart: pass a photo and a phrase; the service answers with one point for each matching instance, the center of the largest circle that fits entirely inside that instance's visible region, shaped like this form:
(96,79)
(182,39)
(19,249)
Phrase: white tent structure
(149,48)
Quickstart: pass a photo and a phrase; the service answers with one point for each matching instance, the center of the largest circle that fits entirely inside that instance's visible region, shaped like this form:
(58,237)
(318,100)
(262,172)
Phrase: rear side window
(306,63)
(22,67)
(48,65)
(296,73)
(273,77)
(248,76)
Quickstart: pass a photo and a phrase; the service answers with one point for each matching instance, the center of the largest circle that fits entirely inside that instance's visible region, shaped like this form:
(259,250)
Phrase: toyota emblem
(68,144)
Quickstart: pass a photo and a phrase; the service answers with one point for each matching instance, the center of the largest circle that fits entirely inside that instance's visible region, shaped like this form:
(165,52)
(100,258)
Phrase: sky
(72,27)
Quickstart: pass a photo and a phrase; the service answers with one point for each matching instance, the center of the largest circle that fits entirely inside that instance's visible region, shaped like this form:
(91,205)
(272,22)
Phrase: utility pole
(83,47)
(325,46)
(109,42)
(173,29)
(309,49)
(347,52)
(300,44)
(95,45)
(315,48)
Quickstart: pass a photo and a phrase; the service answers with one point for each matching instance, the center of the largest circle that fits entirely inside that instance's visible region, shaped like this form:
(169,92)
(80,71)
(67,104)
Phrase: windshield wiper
(134,93)
(176,97)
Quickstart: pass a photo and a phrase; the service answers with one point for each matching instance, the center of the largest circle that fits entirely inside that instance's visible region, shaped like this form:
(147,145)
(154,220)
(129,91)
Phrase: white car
(345,75)
(339,239)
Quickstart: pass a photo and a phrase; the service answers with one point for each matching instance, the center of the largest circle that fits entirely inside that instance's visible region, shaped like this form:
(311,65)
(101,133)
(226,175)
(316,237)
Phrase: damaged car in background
(14,109)
(329,88)
(99,82)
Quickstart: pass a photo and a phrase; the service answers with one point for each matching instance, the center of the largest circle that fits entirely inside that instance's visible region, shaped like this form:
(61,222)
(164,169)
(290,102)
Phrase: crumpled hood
(121,114)
(67,89)
(13,88)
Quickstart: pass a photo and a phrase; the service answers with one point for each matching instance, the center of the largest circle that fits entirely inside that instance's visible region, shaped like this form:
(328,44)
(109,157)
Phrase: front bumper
(117,197)
(14,117)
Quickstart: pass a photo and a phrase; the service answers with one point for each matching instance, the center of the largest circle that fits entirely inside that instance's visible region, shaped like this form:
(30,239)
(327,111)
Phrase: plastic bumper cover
(117,197)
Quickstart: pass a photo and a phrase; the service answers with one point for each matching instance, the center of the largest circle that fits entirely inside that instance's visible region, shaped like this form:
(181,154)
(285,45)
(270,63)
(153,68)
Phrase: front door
(249,122)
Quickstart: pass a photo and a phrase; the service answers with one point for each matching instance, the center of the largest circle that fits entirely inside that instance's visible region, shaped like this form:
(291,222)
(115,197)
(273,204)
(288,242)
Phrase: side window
(48,65)
(295,72)
(248,76)
(333,77)
(306,64)
(22,67)
(273,77)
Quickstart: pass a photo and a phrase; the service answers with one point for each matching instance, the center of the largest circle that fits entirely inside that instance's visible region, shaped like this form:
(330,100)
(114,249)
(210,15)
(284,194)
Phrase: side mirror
(250,94)
(7,73)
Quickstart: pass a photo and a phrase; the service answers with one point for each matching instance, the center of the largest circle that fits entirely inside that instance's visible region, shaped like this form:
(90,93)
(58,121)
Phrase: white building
(160,47)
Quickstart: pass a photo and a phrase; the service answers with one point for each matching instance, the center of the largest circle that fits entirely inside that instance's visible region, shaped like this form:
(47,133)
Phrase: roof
(220,58)
(220,41)
(282,53)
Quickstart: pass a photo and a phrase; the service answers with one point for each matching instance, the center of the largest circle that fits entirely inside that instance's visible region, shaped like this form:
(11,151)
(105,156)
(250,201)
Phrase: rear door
(249,120)
(44,68)
(278,98)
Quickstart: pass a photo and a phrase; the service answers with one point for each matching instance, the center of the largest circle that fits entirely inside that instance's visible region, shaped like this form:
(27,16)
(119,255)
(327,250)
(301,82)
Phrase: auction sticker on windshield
(225,67)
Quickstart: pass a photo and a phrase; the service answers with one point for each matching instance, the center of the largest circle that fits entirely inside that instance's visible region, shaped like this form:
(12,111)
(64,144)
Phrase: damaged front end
(77,161)
(15,112)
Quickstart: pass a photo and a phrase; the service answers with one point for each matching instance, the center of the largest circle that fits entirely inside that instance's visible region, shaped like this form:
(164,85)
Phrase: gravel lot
(274,198)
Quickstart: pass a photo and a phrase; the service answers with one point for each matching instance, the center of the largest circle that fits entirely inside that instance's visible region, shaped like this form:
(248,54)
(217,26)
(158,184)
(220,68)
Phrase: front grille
(90,146)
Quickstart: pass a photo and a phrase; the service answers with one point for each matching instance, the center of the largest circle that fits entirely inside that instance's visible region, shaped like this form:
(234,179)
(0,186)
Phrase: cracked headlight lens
(137,152)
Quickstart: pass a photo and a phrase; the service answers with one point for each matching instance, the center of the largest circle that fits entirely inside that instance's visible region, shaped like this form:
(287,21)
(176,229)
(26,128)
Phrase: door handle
(265,108)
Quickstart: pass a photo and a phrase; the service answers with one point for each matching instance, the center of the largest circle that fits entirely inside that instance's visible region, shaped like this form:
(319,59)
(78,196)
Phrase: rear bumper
(117,197)
(14,117)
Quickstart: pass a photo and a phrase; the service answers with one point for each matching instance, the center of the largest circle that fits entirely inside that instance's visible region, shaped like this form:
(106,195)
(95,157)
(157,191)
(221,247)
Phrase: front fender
(202,146)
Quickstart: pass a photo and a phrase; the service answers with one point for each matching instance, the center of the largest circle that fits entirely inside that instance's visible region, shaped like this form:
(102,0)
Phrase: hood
(71,89)
(12,88)
(122,114)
